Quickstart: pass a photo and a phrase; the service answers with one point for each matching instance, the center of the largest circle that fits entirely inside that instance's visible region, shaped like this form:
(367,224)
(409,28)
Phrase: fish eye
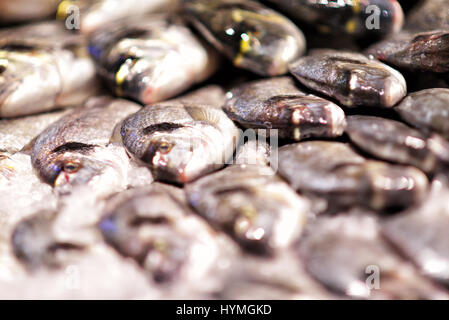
(71,167)
(164,147)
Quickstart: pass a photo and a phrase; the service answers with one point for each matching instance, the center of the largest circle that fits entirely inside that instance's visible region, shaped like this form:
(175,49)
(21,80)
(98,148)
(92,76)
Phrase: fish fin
(205,113)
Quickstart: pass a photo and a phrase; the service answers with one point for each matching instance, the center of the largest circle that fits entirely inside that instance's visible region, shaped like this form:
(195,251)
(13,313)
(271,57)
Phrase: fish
(253,205)
(150,59)
(420,234)
(429,15)
(422,51)
(26,10)
(255,151)
(16,134)
(76,150)
(154,226)
(180,140)
(249,34)
(276,103)
(335,172)
(396,142)
(427,110)
(351,78)
(43,67)
(346,17)
(94,14)
(348,255)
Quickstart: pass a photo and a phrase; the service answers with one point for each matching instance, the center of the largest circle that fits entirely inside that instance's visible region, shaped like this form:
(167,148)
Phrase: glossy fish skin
(43,67)
(343,251)
(74,150)
(96,13)
(277,104)
(180,140)
(427,110)
(333,171)
(154,226)
(150,59)
(426,51)
(15,134)
(421,234)
(429,15)
(351,78)
(394,141)
(251,35)
(249,202)
(348,17)
(26,10)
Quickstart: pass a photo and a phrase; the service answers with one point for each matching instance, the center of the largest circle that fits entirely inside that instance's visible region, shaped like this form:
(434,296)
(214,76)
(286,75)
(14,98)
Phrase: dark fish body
(249,202)
(348,17)
(74,150)
(351,78)
(180,140)
(150,59)
(43,67)
(333,171)
(426,51)
(154,226)
(26,10)
(427,110)
(394,141)
(421,234)
(253,36)
(347,254)
(429,15)
(278,104)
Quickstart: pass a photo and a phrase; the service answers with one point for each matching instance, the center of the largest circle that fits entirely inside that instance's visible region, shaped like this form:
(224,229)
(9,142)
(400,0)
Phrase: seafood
(180,140)
(332,170)
(150,59)
(74,150)
(429,15)
(26,10)
(426,51)
(43,67)
(421,234)
(394,141)
(252,204)
(348,255)
(351,17)
(251,35)
(15,134)
(351,78)
(277,104)
(154,226)
(255,151)
(94,14)
(427,110)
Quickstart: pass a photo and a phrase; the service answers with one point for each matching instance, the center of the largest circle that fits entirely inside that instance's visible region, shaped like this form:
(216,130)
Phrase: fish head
(179,154)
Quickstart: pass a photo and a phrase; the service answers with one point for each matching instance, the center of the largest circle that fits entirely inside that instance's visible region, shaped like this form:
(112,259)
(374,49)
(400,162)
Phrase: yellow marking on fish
(120,77)
(356,7)
(351,26)
(62,10)
(245,46)
(239,16)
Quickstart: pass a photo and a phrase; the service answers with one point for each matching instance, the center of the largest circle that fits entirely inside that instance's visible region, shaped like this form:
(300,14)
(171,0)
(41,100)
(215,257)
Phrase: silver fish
(348,255)
(350,17)
(94,14)
(429,15)
(426,51)
(43,67)
(420,233)
(180,140)
(150,59)
(351,78)
(259,210)
(333,171)
(15,134)
(427,110)
(277,104)
(394,141)
(26,10)
(154,226)
(253,36)
(75,150)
